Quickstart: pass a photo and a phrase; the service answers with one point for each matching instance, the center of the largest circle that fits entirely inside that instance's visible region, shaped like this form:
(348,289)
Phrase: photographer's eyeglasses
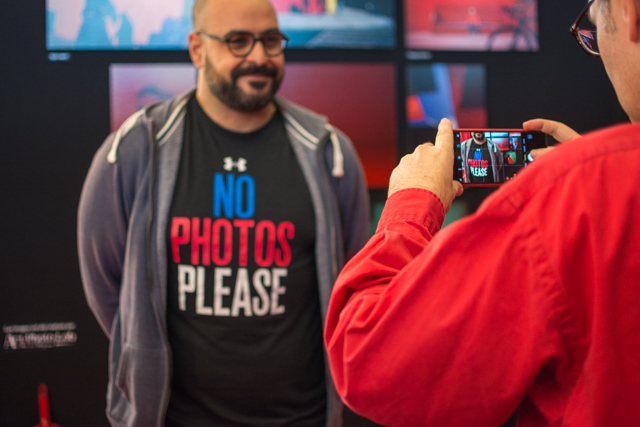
(241,44)
(585,32)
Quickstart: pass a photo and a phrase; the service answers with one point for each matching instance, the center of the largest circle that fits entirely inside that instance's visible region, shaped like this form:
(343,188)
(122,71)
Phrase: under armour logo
(229,164)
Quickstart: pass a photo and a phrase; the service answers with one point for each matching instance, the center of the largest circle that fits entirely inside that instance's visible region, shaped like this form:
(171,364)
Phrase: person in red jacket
(533,302)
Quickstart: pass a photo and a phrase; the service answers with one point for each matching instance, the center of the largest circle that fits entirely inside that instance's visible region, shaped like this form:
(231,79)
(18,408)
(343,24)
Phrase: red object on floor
(43,406)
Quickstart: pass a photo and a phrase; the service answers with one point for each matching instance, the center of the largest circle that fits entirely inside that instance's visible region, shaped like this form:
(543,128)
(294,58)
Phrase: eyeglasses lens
(589,40)
(274,43)
(588,36)
(241,44)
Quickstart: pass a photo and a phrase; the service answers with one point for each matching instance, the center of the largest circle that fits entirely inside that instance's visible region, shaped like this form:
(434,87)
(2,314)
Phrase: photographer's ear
(631,18)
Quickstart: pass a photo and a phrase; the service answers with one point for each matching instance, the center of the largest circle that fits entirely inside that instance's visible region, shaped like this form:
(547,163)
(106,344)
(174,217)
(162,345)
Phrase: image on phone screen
(492,157)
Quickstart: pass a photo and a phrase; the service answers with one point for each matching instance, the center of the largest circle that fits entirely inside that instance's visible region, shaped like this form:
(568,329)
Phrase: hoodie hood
(306,126)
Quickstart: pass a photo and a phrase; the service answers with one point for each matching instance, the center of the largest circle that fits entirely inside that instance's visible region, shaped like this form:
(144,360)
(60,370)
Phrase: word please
(212,241)
(192,280)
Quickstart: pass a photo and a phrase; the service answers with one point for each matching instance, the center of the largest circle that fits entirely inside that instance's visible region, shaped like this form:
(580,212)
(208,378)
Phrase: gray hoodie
(122,220)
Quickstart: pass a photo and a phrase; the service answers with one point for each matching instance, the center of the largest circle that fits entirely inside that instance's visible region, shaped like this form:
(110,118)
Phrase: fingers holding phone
(559,131)
(430,167)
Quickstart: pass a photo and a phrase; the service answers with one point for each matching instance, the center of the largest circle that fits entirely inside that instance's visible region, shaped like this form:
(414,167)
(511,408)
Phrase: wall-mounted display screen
(435,91)
(360,24)
(134,86)
(472,25)
(165,24)
(118,24)
(454,91)
(360,100)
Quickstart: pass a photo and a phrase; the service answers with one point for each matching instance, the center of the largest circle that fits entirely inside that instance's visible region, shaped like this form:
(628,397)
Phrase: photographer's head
(238,50)
(618,34)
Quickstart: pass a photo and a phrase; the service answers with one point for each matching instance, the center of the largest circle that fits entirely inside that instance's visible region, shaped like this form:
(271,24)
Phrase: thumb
(445,134)
(458,188)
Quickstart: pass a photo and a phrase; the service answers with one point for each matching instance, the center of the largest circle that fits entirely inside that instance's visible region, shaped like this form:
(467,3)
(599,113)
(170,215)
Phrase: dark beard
(235,98)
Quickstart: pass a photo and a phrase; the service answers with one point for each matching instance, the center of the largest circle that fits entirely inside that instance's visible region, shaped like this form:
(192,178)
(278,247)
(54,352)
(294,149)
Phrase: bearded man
(211,230)
(481,159)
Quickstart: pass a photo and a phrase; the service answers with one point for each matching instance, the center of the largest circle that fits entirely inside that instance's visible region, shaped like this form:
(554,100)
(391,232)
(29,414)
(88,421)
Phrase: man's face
(478,137)
(244,84)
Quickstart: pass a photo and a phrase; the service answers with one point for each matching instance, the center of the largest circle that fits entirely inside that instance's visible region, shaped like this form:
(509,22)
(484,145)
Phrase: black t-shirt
(480,164)
(243,309)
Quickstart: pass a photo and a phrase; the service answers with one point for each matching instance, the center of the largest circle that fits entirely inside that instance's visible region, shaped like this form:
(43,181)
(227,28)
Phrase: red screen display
(474,25)
(360,100)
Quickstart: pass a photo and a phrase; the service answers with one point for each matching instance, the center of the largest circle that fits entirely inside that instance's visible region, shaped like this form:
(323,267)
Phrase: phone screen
(490,157)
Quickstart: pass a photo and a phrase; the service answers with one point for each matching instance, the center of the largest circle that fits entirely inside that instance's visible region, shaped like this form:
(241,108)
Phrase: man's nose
(258,54)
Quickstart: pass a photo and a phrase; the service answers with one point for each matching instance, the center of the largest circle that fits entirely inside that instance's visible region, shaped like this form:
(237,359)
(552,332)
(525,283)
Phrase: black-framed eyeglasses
(585,32)
(241,44)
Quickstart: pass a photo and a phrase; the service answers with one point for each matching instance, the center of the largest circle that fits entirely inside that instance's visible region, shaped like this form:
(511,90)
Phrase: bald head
(203,10)
(197,11)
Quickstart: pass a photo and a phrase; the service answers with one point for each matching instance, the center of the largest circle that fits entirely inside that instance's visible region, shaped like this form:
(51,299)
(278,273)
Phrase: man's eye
(273,41)
(240,41)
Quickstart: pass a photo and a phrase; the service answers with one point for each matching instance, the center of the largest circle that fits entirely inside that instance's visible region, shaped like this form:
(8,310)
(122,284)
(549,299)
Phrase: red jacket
(533,301)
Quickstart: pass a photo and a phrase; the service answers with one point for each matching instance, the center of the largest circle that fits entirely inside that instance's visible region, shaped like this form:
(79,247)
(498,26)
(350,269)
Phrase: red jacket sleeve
(415,320)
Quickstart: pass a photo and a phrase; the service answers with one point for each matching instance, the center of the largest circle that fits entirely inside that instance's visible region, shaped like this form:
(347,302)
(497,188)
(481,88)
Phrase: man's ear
(196,51)
(631,18)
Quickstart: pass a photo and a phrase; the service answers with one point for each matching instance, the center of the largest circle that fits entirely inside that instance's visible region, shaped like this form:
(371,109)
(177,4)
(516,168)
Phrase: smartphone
(490,157)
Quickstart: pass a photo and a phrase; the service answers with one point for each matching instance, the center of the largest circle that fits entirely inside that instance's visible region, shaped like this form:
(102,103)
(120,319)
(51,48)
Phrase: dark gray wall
(55,115)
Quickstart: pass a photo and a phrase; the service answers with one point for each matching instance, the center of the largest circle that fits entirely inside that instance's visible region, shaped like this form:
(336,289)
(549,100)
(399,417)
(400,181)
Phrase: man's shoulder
(167,111)
(133,134)
(598,144)
(297,110)
(590,157)
(300,116)
(613,135)
(163,113)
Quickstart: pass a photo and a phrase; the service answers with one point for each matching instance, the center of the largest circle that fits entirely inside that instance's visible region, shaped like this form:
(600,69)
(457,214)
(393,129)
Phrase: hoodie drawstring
(338,157)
